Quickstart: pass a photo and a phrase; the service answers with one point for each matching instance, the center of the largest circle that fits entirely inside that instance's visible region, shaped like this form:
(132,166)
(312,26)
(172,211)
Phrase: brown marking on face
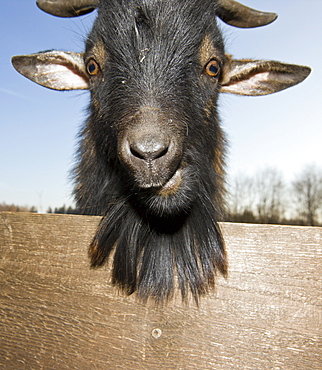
(172,186)
(226,68)
(207,50)
(98,53)
(209,109)
(96,103)
(218,163)
(218,160)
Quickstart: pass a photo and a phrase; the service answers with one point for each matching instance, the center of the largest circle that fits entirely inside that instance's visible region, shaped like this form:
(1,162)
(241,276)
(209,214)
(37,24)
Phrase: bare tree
(240,199)
(269,195)
(260,198)
(307,194)
(4,207)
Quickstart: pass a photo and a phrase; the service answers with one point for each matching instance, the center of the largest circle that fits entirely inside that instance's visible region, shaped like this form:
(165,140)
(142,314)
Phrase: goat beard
(152,253)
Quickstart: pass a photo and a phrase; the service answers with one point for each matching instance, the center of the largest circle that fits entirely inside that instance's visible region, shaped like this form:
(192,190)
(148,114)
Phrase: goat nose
(150,158)
(149,148)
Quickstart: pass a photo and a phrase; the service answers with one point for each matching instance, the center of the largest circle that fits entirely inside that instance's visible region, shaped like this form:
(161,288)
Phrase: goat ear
(260,77)
(56,70)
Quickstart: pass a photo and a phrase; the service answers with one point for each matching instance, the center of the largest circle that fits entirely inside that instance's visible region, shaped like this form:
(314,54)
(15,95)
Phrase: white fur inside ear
(260,77)
(60,77)
(58,70)
(257,84)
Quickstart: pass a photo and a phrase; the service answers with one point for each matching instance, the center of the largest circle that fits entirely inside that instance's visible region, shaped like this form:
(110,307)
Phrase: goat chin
(151,253)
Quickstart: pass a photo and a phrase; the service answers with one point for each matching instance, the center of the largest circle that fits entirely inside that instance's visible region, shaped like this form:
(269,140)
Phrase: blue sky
(38,126)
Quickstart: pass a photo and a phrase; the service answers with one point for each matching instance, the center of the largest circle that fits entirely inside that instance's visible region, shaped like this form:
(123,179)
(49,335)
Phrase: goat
(152,151)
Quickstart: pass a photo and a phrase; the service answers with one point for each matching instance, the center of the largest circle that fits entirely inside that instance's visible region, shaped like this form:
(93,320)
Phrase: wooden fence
(57,313)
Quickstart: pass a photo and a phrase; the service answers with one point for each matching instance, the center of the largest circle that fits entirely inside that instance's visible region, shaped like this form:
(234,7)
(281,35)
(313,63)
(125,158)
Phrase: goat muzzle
(151,158)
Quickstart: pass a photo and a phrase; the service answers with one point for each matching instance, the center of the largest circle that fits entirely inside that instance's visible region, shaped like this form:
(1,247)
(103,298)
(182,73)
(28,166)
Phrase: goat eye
(92,67)
(213,68)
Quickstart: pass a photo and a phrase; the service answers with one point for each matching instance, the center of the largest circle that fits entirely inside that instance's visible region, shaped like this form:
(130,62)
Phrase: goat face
(152,150)
(153,100)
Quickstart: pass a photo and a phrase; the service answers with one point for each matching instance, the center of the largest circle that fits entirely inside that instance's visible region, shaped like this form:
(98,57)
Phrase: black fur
(153,58)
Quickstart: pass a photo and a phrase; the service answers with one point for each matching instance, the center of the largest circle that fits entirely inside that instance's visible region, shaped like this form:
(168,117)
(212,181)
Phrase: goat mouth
(161,186)
(174,197)
(169,187)
(172,185)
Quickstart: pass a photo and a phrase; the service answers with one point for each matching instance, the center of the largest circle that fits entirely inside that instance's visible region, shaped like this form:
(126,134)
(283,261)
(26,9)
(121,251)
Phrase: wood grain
(57,313)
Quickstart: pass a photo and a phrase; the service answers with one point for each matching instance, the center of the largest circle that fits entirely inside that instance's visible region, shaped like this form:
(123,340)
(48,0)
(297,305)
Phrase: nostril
(148,150)
(161,153)
(136,153)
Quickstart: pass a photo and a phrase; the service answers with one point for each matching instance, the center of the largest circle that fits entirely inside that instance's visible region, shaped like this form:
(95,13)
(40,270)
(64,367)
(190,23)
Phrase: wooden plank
(57,313)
